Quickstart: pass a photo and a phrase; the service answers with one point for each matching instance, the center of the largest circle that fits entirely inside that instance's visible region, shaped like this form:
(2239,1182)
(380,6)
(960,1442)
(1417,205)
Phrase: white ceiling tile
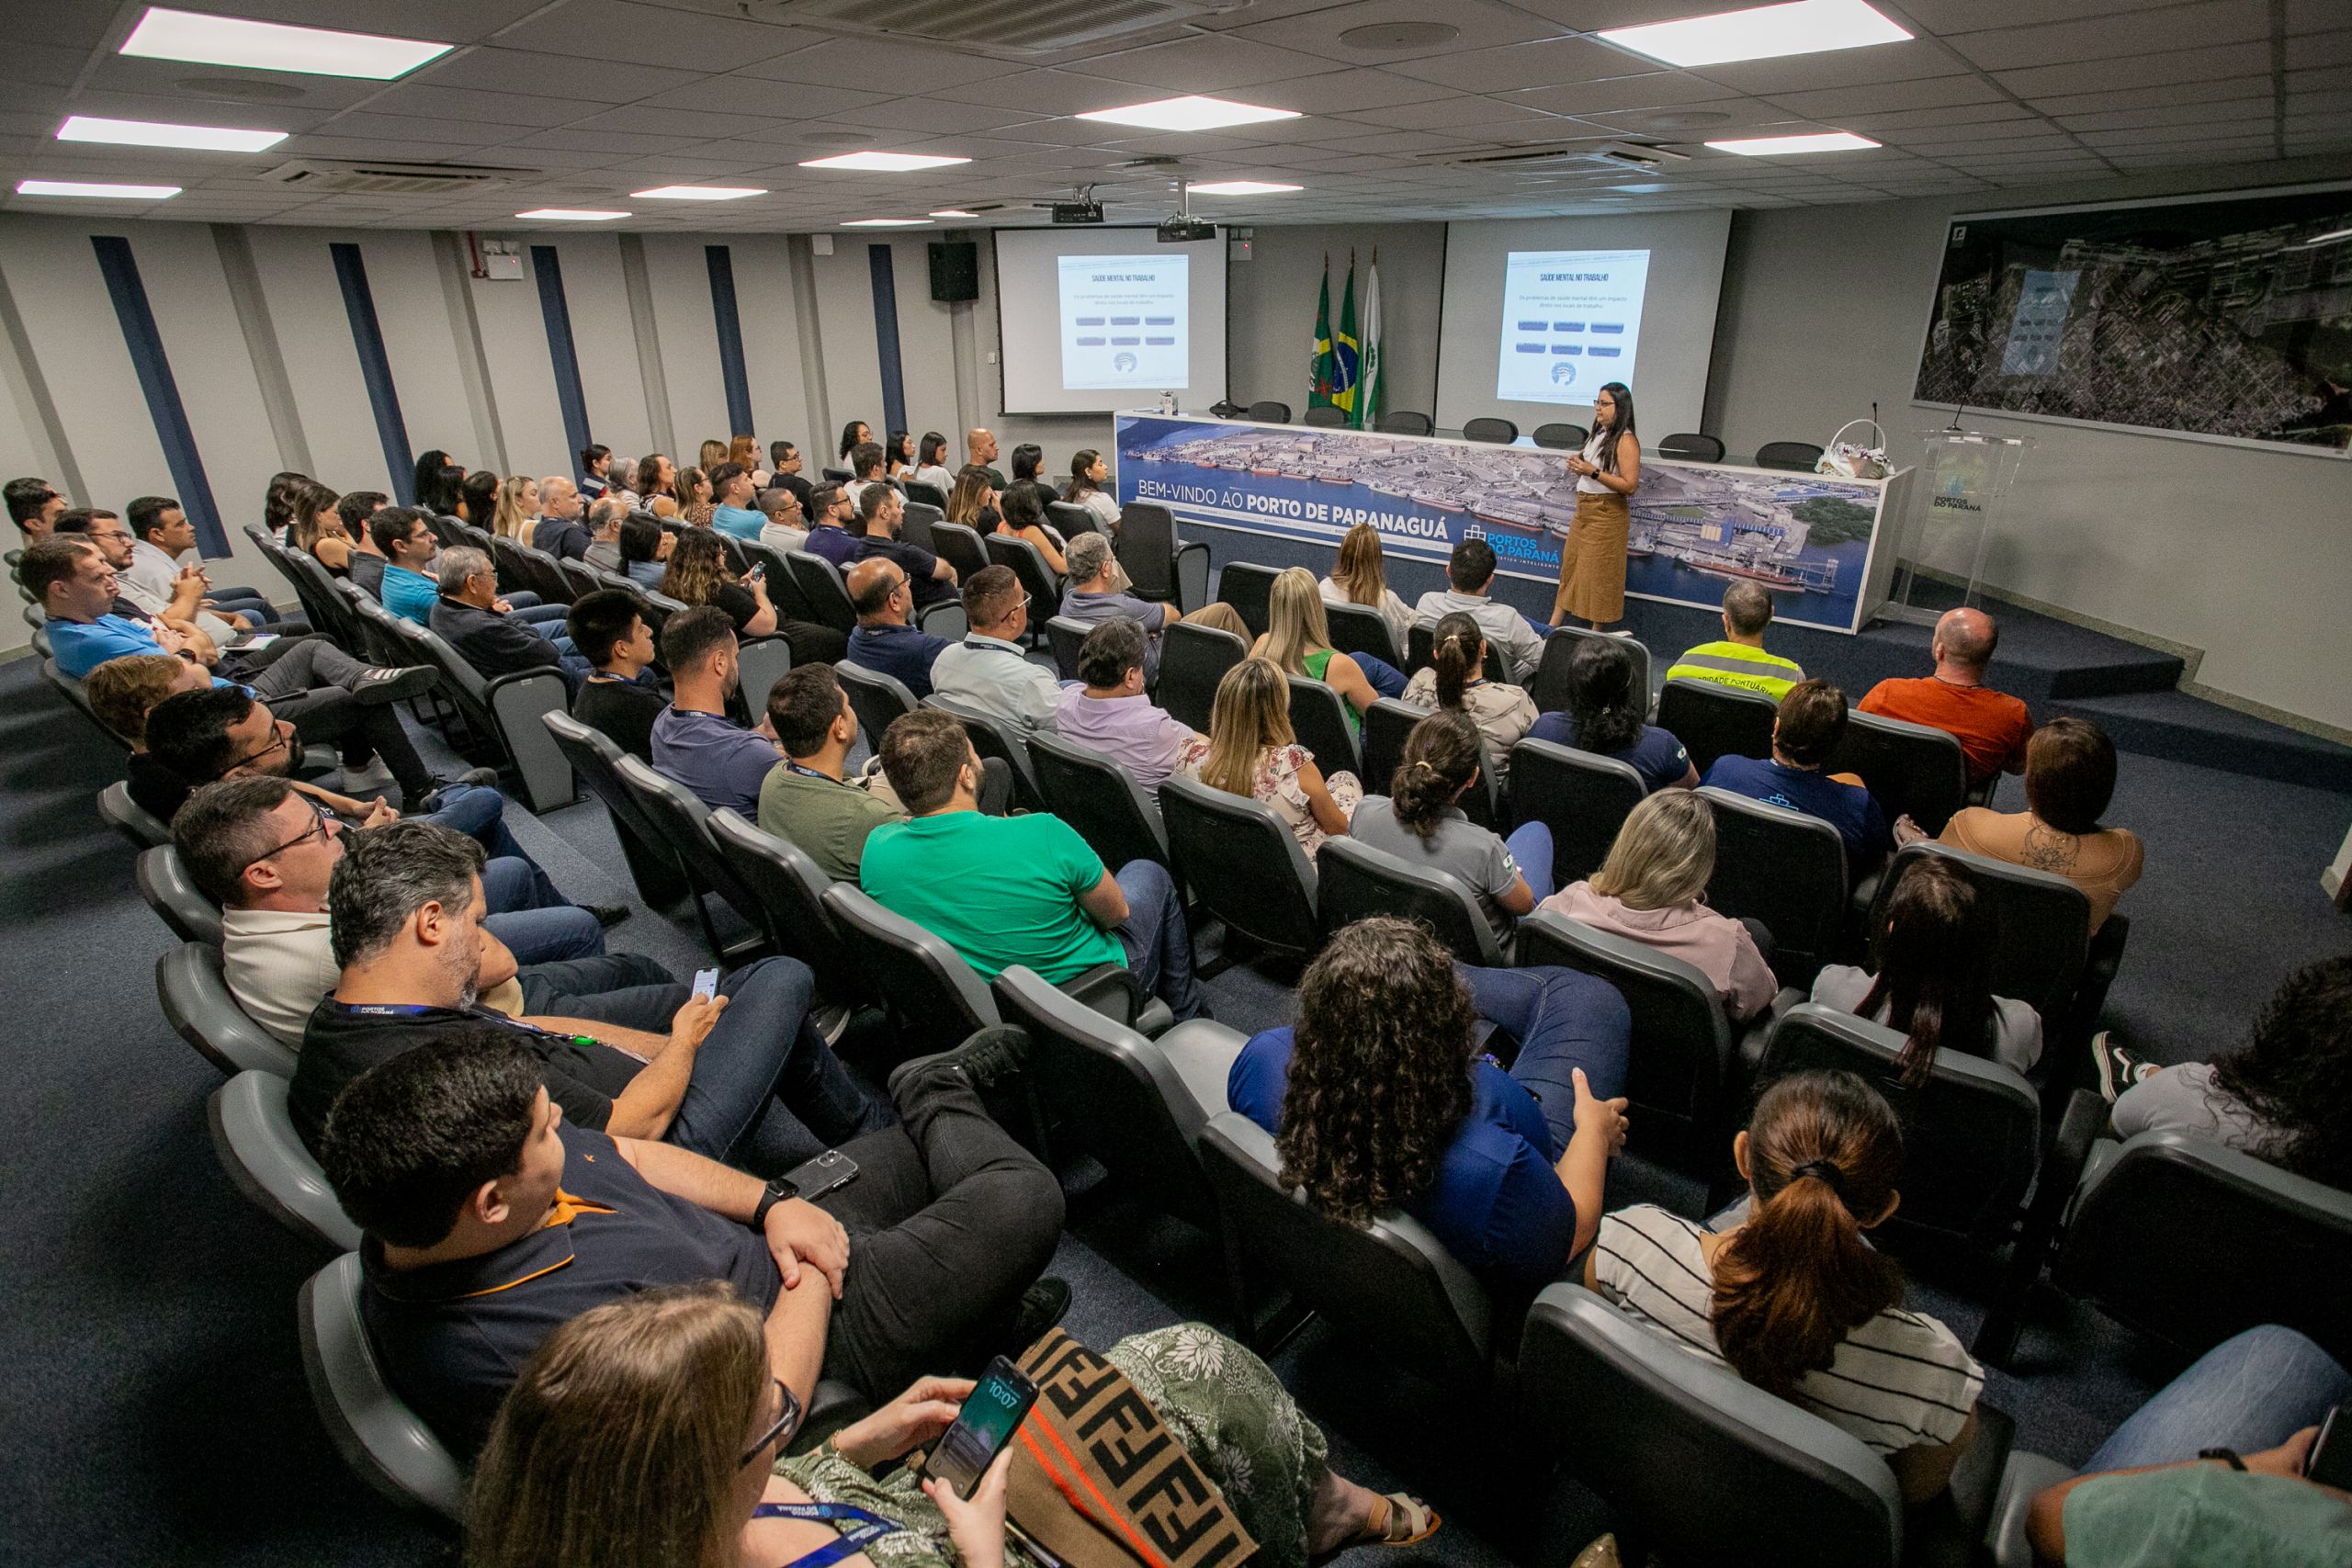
(937,115)
(1540,64)
(2156,70)
(1479,23)
(2171,114)
(1438,114)
(1935,92)
(1652,90)
(1042,92)
(1989,131)
(395,129)
(622,33)
(1957,114)
(2204,23)
(647,120)
(1339,92)
(618,144)
(423,101)
(2321,48)
(2132,97)
(1212,63)
(544,76)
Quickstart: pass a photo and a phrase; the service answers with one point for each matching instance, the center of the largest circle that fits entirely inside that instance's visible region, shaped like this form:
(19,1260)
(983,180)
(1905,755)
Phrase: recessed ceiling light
(79,188)
(888,223)
(1400,34)
(953,212)
(1777,146)
(2327,239)
(882,162)
(569,214)
(1768,32)
(1194,113)
(151,133)
(1240,188)
(699,193)
(273,46)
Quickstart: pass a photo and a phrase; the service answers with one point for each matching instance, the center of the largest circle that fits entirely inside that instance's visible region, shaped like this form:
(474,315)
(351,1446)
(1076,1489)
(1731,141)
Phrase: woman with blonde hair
(972,502)
(1456,678)
(518,508)
(1652,889)
(1251,751)
(713,453)
(1360,576)
(654,1431)
(1299,639)
(696,502)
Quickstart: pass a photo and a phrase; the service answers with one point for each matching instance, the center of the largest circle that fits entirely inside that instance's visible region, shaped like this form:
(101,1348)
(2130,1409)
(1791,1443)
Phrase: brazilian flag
(1344,360)
(1321,368)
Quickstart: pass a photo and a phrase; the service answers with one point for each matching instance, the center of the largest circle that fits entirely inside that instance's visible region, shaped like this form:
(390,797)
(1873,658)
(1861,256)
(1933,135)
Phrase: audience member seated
(2069,782)
(516,1216)
(1457,680)
(1421,822)
(357,509)
(408,587)
(70,576)
(880,514)
(699,575)
(183,612)
(163,546)
(812,801)
(620,483)
(1652,889)
(1992,727)
(884,642)
(732,501)
(657,476)
(1934,982)
(693,741)
(1253,753)
(696,505)
(931,463)
(646,547)
(830,513)
(1108,711)
(1739,660)
(866,465)
(745,449)
(972,503)
(1007,890)
(1088,474)
(783,526)
(1607,715)
(979,450)
(1806,733)
(266,854)
(988,669)
(596,463)
(1470,573)
(656,1062)
(784,462)
(558,530)
(2213,1469)
(33,506)
(1794,1298)
(488,633)
(621,698)
(1028,464)
(2284,1096)
(124,690)
(1097,592)
(602,552)
(1299,639)
(1358,577)
(1380,1099)
(1023,517)
(515,509)
(153,577)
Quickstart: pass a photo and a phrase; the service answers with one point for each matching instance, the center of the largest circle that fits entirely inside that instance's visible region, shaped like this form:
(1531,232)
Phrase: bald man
(980,448)
(884,642)
(1992,727)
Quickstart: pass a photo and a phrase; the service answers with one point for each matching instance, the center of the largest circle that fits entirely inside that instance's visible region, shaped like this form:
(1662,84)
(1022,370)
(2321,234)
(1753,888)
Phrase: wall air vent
(1006,29)
(338,177)
(1615,156)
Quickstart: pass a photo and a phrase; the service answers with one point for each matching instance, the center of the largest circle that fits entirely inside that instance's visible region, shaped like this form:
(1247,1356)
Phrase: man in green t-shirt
(1008,890)
(1739,660)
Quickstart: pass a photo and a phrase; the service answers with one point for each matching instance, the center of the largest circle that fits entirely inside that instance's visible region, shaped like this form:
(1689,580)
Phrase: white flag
(1368,378)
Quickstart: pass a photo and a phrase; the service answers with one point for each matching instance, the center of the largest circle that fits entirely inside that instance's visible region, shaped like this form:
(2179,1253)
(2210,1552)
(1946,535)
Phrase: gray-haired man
(491,634)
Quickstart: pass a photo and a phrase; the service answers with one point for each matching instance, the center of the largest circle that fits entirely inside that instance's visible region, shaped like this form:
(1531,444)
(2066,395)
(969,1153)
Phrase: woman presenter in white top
(1592,558)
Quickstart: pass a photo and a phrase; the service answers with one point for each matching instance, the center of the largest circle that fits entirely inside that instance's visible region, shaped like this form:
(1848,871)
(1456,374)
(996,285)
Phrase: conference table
(1824,545)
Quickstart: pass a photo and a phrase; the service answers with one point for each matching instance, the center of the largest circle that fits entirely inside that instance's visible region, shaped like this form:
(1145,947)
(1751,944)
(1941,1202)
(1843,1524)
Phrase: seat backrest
(1037,579)
(507,559)
(2042,923)
(1390,1286)
(545,576)
(1359,881)
(1707,1466)
(1681,1049)
(784,588)
(961,548)
(1248,587)
(1101,799)
(917,518)
(790,890)
(1910,768)
(1550,690)
(582,578)
(820,582)
(1193,660)
(1325,416)
(1070,520)
(1972,1133)
(918,493)
(1714,720)
(1692,447)
(875,697)
(1404,421)
(1241,863)
(383,1441)
(936,997)
(1318,718)
(763,660)
(1562,436)
(321,597)
(1122,1096)
(1785,869)
(194,992)
(1066,635)
(1796,456)
(1387,723)
(1266,411)
(839,476)
(254,1134)
(1497,431)
(1000,737)
(163,882)
(1360,629)
(2183,1238)
(1582,797)
(1421,644)
(677,814)
(132,820)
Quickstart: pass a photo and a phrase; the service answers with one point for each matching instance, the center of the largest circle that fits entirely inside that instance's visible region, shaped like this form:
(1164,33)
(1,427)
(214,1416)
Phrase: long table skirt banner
(1811,539)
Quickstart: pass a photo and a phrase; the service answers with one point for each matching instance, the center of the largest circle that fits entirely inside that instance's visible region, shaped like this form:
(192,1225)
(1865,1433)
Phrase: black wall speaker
(955,270)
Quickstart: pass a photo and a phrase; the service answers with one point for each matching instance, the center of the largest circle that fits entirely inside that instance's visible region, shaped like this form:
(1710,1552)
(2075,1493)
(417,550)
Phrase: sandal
(1402,1520)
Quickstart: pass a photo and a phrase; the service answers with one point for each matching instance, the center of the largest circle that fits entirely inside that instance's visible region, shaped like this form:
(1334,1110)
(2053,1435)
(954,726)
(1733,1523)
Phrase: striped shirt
(1900,1381)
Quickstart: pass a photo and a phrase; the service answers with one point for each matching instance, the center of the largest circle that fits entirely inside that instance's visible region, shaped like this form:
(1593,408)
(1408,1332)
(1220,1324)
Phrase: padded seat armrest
(1947,1530)
(2054,1190)
(1191,577)
(1110,989)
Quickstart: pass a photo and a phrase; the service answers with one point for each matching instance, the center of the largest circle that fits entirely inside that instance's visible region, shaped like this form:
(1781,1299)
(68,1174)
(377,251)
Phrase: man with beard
(693,741)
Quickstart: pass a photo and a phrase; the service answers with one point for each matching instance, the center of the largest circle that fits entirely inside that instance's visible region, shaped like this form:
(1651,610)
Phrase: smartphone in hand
(997,1407)
(706,985)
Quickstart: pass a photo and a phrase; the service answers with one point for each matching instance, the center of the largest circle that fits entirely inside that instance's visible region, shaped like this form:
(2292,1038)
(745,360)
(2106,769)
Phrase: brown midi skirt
(1592,560)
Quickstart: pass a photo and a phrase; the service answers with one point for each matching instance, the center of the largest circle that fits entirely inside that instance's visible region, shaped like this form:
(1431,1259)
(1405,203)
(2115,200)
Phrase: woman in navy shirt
(1377,1102)
(1605,716)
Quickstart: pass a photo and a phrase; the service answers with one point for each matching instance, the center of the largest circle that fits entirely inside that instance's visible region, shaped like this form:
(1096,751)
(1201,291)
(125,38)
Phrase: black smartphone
(818,1176)
(997,1406)
(2330,1462)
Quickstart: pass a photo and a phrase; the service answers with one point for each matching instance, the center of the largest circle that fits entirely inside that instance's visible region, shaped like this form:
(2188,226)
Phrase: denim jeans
(546,936)
(625,988)
(765,1048)
(1385,678)
(1159,947)
(2250,1393)
(1563,1019)
(480,813)
(1530,846)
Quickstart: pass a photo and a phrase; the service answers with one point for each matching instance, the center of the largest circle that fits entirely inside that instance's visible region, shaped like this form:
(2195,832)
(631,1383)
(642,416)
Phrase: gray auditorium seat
(133,821)
(763,660)
(1403,422)
(1493,431)
(195,1001)
(385,1443)
(1796,457)
(1690,447)
(1359,882)
(254,1134)
(163,882)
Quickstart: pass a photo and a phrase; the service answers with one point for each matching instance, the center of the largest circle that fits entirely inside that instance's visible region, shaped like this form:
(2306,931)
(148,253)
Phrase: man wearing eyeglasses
(181,607)
(884,642)
(989,668)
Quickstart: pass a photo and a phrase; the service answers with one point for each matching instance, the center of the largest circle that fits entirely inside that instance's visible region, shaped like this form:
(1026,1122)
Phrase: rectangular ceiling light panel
(84,187)
(1191,113)
(883,162)
(1767,33)
(273,46)
(155,133)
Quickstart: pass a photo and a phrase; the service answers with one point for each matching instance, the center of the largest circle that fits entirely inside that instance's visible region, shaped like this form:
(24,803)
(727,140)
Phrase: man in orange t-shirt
(1992,727)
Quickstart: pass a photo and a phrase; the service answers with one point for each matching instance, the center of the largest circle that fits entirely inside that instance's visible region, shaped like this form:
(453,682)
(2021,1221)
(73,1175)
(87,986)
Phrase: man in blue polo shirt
(1811,723)
(406,537)
(509,1221)
(732,513)
(693,741)
(883,641)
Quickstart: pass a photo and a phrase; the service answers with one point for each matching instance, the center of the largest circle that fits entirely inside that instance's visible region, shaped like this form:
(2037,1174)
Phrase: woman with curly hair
(1421,821)
(2284,1096)
(697,574)
(1379,1099)
(1607,715)
(656,475)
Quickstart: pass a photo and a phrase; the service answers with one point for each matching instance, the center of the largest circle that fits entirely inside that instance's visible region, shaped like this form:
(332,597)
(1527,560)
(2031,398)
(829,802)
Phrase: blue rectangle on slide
(1600,353)
(1124,342)
(1160,321)
(1159,342)
(1567,326)
(1609,326)
(1531,326)
(1087,342)
(1126,320)
(1575,348)
(1086,320)
(1530,347)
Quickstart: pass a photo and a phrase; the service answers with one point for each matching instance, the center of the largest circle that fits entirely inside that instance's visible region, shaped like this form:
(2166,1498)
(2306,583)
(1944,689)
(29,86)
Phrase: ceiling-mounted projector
(1185,230)
(1077,212)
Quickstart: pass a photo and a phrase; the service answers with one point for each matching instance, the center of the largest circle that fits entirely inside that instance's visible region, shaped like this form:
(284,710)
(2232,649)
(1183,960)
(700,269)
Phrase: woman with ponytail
(1934,978)
(1794,1298)
(1457,680)
(1421,822)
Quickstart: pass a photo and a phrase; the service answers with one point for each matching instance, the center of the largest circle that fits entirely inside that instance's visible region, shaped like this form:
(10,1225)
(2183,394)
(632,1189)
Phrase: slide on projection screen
(1097,320)
(1541,313)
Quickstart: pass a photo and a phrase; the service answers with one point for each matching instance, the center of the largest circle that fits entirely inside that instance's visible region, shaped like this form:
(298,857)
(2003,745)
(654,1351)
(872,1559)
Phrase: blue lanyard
(870,1526)
(813,774)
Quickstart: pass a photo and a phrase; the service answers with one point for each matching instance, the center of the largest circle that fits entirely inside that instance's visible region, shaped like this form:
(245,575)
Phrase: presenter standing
(1592,560)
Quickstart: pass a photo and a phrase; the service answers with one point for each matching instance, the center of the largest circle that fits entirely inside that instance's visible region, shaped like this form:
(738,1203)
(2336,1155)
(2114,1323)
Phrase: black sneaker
(989,1057)
(609,915)
(2118,1069)
(1043,1305)
(381,685)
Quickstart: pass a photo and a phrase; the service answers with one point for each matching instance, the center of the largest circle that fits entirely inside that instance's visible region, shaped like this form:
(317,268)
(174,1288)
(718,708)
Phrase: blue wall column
(548,269)
(886,340)
(376,369)
(728,318)
(120,270)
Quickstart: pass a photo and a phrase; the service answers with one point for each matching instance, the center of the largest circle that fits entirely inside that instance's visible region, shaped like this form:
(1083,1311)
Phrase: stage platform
(2129,691)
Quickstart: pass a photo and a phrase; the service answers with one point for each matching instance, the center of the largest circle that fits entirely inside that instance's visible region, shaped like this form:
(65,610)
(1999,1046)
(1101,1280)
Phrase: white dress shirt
(1519,643)
(994,676)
